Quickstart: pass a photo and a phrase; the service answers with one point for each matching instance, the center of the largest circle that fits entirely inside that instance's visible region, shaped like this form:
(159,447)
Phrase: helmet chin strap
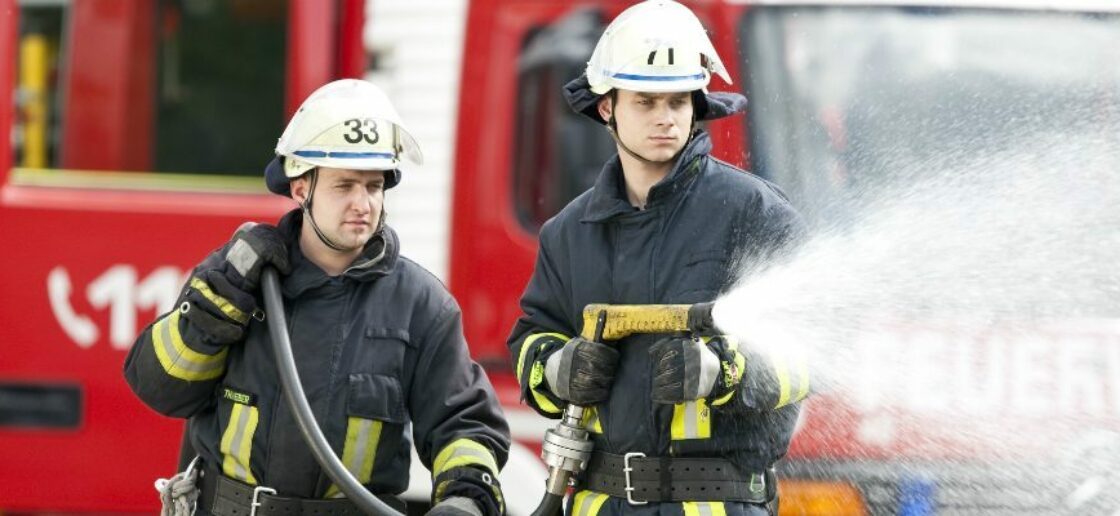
(308,216)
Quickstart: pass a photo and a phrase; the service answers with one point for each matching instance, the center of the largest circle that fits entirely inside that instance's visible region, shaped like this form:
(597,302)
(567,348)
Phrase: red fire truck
(139,128)
(131,116)
(843,95)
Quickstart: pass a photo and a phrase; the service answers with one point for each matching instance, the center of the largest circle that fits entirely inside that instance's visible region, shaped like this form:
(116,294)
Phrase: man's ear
(606,107)
(299,188)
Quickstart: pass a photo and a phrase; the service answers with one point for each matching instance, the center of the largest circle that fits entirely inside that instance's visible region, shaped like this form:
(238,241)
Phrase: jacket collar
(608,196)
(378,258)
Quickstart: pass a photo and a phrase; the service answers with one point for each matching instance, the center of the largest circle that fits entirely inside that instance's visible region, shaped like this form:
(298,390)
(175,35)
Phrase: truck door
(137,143)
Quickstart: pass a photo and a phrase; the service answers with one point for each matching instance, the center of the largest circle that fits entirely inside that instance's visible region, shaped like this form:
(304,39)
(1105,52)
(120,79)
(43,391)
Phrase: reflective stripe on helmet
(635,77)
(344,154)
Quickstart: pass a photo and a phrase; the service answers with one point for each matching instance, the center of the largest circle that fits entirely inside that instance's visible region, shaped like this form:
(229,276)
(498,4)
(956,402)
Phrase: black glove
(467,491)
(455,506)
(581,371)
(683,370)
(252,247)
(219,299)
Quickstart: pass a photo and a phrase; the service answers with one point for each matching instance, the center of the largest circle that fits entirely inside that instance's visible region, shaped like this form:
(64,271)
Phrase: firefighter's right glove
(456,506)
(253,247)
(582,371)
(219,299)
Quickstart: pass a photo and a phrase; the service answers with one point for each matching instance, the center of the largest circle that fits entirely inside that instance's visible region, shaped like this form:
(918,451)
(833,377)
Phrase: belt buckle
(758,483)
(626,469)
(256,498)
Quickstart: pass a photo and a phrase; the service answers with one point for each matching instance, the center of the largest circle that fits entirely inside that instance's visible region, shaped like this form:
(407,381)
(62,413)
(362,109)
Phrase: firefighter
(679,425)
(377,339)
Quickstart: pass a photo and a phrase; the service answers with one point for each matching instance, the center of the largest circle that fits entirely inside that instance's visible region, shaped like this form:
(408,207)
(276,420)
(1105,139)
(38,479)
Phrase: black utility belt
(224,496)
(641,479)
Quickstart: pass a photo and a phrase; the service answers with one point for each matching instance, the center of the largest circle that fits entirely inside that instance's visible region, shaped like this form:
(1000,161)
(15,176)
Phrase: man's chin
(352,240)
(660,155)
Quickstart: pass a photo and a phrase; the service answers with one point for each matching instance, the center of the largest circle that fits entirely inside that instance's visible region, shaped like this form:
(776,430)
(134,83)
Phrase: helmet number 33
(361,129)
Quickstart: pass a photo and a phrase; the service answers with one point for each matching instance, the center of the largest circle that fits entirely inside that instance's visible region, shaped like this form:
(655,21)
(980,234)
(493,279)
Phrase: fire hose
(297,402)
(566,448)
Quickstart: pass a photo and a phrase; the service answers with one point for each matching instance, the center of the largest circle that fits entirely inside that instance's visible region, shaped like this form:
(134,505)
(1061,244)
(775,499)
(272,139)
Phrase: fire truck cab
(134,146)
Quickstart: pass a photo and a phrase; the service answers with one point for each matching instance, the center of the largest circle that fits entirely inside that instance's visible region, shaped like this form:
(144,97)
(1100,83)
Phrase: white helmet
(348,124)
(656,46)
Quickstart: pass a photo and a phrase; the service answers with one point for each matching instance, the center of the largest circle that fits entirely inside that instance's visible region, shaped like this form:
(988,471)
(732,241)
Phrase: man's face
(653,125)
(347,203)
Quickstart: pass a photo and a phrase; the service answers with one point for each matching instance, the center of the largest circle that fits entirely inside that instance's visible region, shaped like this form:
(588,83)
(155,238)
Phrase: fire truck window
(178,86)
(220,97)
(848,101)
(40,36)
(557,153)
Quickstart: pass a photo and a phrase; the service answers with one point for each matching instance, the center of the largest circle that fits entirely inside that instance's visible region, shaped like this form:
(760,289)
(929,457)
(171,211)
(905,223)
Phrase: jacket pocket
(717,255)
(377,397)
(703,276)
(383,352)
(375,419)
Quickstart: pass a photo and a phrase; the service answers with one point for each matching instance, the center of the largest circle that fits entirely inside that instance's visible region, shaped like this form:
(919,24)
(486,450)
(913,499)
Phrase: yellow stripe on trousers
(588,503)
(704,509)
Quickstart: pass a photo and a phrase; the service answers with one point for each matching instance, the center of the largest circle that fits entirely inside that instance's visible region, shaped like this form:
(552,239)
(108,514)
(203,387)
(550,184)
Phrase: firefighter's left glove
(582,371)
(253,247)
(467,491)
(689,368)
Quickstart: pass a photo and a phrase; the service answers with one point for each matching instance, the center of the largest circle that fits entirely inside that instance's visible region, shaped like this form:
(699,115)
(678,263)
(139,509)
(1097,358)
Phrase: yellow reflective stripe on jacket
(536,377)
(464,452)
(788,377)
(222,303)
(588,503)
(237,443)
(591,421)
(781,371)
(360,450)
(732,379)
(530,342)
(704,509)
(691,420)
(536,372)
(179,360)
(803,383)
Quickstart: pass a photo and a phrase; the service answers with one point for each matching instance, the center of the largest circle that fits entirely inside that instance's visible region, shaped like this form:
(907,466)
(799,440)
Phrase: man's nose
(361,202)
(663,115)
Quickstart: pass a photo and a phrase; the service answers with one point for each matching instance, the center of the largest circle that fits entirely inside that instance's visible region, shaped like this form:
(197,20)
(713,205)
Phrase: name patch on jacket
(237,396)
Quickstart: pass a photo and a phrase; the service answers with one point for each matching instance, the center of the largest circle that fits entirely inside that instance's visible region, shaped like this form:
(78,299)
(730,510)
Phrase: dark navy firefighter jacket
(378,348)
(703,223)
